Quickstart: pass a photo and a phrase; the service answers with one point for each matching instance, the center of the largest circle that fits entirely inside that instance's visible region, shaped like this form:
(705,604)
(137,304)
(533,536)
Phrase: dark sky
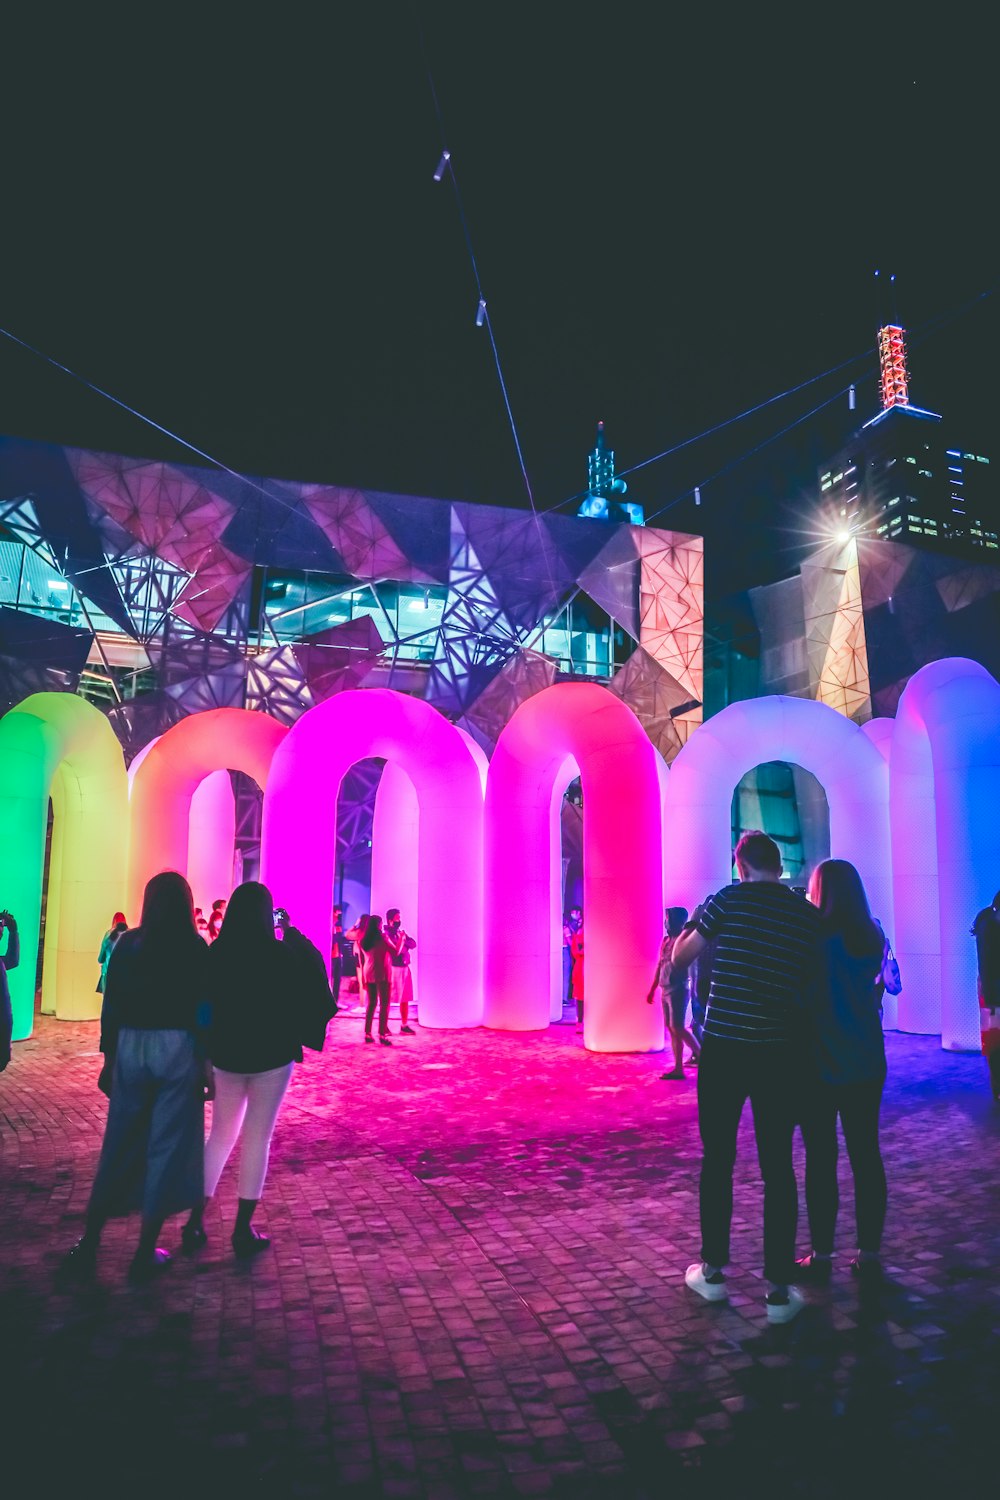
(234,227)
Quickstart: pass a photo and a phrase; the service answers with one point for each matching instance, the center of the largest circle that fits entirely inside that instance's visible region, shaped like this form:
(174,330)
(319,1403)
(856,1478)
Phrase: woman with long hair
(155,1073)
(851,1073)
(269,997)
(376,956)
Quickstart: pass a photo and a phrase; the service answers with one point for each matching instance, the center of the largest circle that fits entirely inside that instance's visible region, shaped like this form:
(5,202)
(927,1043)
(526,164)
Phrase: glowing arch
(945,800)
(219,739)
(212,833)
(698,803)
(569,729)
(300,828)
(58,745)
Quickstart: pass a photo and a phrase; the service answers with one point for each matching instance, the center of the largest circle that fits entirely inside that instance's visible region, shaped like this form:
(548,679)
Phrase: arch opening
(789,804)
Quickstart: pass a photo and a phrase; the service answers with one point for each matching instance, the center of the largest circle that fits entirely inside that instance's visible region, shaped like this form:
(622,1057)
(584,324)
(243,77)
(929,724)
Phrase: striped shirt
(766,959)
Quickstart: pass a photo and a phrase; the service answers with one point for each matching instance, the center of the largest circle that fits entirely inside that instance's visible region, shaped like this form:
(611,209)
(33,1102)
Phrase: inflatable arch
(166,781)
(211,834)
(57,745)
(567,730)
(945,801)
(300,833)
(698,804)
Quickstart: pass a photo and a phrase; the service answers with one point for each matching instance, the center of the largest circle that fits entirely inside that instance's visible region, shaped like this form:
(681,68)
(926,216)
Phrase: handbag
(890,972)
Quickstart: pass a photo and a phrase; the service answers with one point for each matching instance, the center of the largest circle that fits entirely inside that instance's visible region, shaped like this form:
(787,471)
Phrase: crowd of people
(774,993)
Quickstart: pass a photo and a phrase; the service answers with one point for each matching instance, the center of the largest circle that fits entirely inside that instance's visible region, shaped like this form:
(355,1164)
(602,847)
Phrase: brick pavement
(475,1289)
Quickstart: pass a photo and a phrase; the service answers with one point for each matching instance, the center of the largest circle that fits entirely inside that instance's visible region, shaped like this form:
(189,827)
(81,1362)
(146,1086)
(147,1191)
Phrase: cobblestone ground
(475,1288)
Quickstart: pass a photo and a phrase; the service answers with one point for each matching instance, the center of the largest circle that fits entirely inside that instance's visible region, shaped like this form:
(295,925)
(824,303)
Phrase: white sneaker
(784,1312)
(715,1290)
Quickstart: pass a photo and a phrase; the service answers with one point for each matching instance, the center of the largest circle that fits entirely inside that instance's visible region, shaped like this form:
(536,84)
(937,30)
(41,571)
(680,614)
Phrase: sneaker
(369,1037)
(145,1267)
(868,1270)
(815,1269)
(407,1031)
(713,1288)
(676,1075)
(784,1306)
(193,1237)
(384,1041)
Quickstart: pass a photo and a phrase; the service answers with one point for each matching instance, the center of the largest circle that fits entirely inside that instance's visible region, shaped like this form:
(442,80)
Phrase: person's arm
(111,1015)
(12,957)
(697,934)
(687,948)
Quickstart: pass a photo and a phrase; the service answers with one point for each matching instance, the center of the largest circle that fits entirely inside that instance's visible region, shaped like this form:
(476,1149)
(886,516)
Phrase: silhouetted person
(401,978)
(10,960)
(754,1047)
(156,1074)
(268,998)
(849,1072)
(986,931)
(576,983)
(376,959)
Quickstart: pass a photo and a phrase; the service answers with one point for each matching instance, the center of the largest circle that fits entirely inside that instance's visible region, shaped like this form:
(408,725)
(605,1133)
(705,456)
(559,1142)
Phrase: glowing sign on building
(894,376)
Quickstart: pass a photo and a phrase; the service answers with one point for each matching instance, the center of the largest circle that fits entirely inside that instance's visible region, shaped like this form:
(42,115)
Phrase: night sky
(234,228)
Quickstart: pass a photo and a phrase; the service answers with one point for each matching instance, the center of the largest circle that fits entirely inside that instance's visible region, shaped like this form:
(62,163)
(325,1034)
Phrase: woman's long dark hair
(837,892)
(249,921)
(168,910)
(372,933)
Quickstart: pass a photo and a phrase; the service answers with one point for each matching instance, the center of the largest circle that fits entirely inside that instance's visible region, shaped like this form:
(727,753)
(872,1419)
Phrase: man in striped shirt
(766,959)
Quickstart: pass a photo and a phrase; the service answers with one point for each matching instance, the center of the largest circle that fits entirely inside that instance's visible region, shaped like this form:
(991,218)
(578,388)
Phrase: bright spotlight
(843,536)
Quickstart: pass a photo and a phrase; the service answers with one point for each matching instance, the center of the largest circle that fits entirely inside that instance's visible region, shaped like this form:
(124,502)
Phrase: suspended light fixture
(481,313)
(697,494)
(442,165)
(852,398)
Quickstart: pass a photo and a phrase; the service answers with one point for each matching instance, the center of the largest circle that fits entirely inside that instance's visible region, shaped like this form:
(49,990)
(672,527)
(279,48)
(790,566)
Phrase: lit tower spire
(893,374)
(601,468)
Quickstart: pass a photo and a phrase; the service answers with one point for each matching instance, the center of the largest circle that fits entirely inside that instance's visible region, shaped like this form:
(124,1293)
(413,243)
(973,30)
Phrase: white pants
(249,1102)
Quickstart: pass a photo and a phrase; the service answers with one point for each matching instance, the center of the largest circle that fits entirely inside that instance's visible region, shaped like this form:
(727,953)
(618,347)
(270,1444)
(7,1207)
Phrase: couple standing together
(794,1025)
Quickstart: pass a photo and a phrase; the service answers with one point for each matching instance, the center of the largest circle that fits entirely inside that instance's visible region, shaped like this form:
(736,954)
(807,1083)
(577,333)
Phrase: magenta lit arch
(300,831)
(945,801)
(567,730)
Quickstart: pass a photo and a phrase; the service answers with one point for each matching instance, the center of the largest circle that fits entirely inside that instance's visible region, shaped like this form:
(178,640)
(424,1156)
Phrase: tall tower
(604,491)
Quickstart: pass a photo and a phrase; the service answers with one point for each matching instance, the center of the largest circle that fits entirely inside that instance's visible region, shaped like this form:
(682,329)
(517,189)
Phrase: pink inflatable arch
(220,739)
(945,799)
(568,730)
(300,832)
(211,833)
(698,802)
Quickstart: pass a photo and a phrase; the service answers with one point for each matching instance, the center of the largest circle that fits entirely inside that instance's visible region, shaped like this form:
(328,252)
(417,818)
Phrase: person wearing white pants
(247,1104)
(269,997)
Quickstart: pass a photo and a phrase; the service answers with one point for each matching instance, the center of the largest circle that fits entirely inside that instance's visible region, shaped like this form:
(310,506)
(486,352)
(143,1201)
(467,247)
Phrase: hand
(104,1078)
(6,920)
(208,1082)
(649,997)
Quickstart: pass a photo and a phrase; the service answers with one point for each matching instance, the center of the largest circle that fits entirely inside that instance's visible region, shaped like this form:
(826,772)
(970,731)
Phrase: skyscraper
(904,476)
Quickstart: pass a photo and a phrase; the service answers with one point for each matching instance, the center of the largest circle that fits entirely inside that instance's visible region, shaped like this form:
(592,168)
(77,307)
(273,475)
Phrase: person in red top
(576,973)
(376,956)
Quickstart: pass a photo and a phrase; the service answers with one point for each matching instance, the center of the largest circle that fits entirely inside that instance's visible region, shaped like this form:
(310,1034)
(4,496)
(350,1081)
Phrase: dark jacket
(266,1004)
(152,986)
(851,1047)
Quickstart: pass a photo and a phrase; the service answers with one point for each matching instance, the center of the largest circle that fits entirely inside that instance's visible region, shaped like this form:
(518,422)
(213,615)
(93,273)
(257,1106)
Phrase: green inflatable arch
(57,745)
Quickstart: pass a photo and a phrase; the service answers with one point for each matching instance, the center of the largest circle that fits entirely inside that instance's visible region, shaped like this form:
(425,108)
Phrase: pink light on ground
(300,828)
(165,784)
(945,800)
(563,730)
(698,804)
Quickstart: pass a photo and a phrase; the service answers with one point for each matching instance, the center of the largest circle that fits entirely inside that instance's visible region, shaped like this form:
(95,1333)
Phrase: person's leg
(124,1146)
(336,975)
(722,1093)
(372,991)
(859,1112)
(692,1041)
(382,989)
(819,1133)
(228,1109)
(405,997)
(773,1094)
(265,1091)
(677,1045)
(175,1154)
